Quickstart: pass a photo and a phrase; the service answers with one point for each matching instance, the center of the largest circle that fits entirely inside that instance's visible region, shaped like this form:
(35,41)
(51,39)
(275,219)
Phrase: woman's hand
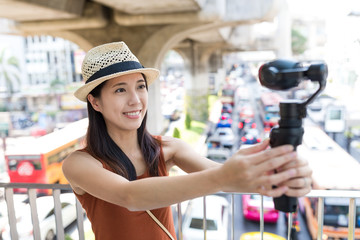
(253,170)
(301,183)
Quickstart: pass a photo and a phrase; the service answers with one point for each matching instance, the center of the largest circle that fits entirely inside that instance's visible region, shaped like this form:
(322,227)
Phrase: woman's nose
(134,98)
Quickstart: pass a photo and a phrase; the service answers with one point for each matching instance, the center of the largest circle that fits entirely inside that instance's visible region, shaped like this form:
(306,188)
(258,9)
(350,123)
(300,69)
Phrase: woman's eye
(142,86)
(120,90)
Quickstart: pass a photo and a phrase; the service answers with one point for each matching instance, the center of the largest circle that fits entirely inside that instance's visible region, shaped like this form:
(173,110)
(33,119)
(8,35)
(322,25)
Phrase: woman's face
(122,102)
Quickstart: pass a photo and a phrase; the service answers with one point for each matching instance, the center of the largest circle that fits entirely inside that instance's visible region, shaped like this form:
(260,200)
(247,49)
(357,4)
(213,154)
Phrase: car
(251,136)
(225,136)
(217,214)
(46,216)
(246,111)
(256,236)
(224,120)
(245,124)
(251,208)
(227,108)
(218,154)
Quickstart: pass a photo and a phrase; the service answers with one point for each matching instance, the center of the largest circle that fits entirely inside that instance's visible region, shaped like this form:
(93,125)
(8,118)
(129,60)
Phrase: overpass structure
(199,30)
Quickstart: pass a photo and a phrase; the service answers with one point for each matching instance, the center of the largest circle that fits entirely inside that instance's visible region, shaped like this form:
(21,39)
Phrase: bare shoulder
(172,145)
(76,168)
(76,161)
(78,158)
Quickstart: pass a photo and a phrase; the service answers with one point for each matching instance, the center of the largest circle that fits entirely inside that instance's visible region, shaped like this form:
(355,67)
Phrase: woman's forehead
(132,77)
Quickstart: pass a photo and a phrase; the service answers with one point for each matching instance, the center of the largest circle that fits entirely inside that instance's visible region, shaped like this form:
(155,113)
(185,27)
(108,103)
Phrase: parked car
(46,216)
(251,208)
(217,215)
(224,120)
(225,136)
(251,136)
(256,236)
(218,154)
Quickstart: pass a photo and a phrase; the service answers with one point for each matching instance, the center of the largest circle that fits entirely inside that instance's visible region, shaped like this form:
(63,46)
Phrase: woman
(123,170)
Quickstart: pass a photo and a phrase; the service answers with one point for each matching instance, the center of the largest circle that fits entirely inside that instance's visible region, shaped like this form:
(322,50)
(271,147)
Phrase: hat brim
(151,74)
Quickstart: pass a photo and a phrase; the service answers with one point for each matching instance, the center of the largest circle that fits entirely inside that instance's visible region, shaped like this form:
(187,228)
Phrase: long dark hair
(100,145)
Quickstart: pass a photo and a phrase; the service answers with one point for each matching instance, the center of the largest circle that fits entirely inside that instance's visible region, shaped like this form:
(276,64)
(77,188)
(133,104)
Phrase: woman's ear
(94,102)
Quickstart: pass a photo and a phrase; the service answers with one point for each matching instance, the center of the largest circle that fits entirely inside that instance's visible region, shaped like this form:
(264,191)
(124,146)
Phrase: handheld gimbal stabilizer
(283,75)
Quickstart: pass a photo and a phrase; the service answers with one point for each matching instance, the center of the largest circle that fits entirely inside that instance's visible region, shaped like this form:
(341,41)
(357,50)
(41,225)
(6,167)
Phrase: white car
(225,136)
(217,215)
(45,210)
(218,154)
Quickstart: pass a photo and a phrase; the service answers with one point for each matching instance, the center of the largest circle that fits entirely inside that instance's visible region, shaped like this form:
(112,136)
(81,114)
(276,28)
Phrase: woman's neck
(126,140)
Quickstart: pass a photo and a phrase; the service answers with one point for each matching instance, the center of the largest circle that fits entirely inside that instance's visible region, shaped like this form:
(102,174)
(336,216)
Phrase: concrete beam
(152,6)
(94,17)
(25,10)
(164,18)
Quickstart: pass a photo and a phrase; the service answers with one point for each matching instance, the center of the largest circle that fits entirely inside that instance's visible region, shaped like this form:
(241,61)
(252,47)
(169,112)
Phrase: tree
(298,42)
(176,133)
(187,121)
(9,73)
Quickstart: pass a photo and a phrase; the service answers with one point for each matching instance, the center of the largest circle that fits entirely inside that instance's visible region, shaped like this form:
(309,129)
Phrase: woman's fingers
(255,148)
(265,183)
(266,155)
(300,182)
(275,162)
(298,162)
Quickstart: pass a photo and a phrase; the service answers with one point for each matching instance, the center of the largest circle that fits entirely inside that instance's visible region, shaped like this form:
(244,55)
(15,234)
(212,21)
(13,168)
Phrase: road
(241,224)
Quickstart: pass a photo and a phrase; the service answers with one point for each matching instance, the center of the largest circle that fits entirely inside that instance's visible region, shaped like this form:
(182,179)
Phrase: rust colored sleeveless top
(113,222)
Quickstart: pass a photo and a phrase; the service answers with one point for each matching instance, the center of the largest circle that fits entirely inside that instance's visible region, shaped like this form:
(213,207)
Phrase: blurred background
(209,53)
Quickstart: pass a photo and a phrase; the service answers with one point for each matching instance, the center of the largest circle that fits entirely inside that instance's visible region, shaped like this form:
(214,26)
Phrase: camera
(283,75)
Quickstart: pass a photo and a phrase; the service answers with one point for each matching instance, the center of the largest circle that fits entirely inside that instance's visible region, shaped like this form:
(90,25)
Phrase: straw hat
(108,61)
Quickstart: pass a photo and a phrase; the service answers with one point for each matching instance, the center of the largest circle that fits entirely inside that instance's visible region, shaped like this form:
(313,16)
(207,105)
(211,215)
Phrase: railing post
(320,218)
(352,213)
(80,219)
(58,215)
(179,221)
(204,219)
(262,217)
(232,216)
(34,213)
(9,198)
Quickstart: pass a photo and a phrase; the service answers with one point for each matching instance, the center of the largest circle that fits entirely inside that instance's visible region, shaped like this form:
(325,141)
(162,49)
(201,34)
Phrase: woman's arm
(178,152)
(183,155)
(243,172)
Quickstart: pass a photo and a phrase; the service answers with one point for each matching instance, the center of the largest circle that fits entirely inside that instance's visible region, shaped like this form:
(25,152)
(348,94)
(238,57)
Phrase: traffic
(249,120)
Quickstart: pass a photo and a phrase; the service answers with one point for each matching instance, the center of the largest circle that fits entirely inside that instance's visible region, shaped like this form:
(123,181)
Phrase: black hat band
(115,68)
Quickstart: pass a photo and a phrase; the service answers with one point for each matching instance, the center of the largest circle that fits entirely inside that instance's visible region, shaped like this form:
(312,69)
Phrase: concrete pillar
(283,36)
(197,83)
(197,90)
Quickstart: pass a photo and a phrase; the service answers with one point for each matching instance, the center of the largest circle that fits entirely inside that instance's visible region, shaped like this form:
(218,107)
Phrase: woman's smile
(133,114)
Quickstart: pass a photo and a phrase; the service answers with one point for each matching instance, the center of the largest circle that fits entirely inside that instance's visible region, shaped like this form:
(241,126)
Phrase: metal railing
(57,188)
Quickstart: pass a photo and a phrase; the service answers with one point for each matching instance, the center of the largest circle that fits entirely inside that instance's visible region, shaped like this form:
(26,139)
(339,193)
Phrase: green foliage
(9,71)
(187,121)
(298,42)
(193,134)
(67,237)
(176,133)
